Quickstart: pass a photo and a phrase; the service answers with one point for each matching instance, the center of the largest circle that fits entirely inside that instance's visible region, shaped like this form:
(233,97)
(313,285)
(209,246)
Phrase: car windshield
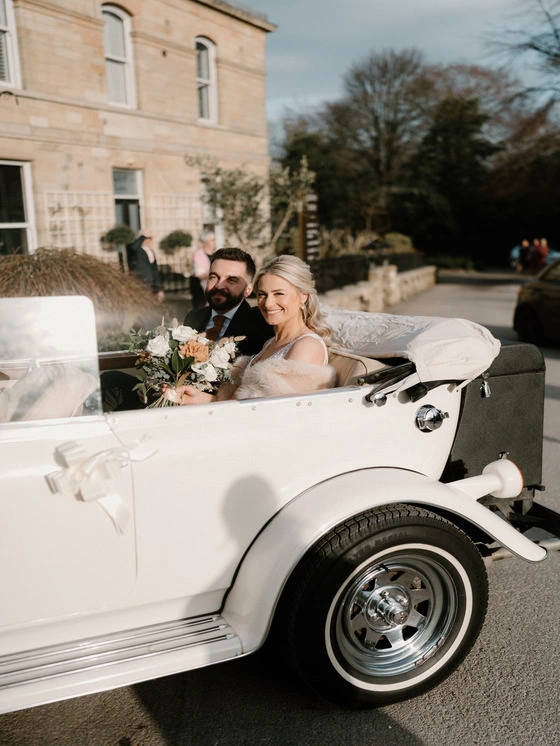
(48,358)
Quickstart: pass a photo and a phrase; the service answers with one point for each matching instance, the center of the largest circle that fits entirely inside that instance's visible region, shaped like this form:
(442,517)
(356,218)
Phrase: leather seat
(350,368)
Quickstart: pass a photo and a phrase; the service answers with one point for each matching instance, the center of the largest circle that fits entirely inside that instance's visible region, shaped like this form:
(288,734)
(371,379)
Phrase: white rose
(220,357)
(207,370)
(158,346)
(230,348)
(184,334)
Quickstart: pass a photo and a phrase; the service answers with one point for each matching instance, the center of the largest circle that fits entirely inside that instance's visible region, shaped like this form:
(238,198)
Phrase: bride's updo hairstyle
(299,275)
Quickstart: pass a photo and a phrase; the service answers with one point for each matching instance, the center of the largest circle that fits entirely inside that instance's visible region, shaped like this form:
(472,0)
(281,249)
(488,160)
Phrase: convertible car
(350,528)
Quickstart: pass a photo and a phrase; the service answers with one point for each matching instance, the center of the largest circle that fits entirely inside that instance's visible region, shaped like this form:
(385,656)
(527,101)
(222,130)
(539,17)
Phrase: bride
(295,360)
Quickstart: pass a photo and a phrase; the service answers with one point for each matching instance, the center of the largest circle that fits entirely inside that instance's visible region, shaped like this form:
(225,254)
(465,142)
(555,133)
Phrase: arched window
(9,61)
(118,57)
(206,79)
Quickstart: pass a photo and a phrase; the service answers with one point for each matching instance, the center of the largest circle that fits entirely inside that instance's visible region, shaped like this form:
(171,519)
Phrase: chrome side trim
(111,650)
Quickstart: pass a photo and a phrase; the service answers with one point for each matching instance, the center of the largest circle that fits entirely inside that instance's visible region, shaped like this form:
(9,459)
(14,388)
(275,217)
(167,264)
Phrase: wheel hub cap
(394,616)
(387,607)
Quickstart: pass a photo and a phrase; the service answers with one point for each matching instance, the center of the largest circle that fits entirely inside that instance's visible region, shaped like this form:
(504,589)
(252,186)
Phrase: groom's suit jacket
(246,321)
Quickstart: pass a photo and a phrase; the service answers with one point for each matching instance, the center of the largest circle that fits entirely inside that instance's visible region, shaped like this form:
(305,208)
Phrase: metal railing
(336,273)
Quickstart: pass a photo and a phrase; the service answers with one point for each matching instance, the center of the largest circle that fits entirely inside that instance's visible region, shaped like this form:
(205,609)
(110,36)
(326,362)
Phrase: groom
(230,283)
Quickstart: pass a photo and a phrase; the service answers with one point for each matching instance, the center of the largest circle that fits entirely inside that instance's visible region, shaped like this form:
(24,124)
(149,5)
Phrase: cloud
(291,62)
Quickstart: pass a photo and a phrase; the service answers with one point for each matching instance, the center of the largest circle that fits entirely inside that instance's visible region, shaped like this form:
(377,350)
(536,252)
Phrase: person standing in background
(201,267)
(524,259)
(142,262)
(534,257)
(541,255)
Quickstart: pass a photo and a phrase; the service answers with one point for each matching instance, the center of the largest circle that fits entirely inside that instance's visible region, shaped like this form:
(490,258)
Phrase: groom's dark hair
(235,255)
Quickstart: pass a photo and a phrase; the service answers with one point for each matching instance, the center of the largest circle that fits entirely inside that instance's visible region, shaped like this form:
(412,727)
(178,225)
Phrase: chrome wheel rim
(395,615)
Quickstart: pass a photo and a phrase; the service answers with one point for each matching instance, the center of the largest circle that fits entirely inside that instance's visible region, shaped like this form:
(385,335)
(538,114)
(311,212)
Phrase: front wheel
(385,607)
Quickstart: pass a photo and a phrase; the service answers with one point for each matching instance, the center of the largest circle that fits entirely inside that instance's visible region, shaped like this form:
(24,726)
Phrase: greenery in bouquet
(172,356)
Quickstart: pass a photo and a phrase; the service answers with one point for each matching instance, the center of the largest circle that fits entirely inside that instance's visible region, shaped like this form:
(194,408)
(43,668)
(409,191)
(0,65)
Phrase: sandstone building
(100,103)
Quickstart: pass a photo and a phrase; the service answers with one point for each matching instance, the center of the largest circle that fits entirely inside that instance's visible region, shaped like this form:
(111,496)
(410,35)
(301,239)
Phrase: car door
(63,550)
(67,540)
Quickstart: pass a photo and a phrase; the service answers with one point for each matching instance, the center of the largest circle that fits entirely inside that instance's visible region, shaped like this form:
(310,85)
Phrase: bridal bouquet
(177,356)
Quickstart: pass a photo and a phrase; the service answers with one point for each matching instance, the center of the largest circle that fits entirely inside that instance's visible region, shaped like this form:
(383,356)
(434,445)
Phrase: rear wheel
(384,607)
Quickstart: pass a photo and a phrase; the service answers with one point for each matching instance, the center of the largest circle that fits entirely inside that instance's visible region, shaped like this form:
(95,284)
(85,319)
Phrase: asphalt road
(504,694)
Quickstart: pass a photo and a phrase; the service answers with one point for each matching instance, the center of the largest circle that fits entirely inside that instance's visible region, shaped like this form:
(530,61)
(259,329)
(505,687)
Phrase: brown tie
(214,332)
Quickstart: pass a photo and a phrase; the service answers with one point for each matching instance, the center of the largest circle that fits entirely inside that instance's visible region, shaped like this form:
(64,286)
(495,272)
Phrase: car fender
(276,551)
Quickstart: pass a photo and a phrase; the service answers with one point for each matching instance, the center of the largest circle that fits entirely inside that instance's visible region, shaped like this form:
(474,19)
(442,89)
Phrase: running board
(60,672)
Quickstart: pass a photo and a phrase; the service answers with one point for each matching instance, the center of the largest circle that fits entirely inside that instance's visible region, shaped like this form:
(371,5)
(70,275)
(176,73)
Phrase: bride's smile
(279,301)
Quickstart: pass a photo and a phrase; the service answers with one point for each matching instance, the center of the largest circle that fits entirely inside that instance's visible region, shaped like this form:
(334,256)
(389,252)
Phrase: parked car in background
(351,527)
(537,313)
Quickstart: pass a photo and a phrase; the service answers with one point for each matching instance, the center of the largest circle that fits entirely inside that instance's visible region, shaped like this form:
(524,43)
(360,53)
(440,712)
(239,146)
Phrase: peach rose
(198,350)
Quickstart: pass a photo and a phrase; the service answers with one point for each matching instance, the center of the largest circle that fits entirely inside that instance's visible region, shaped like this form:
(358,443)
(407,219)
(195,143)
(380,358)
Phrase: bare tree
(534,38)
(500,94)
(375,128)
(383,111)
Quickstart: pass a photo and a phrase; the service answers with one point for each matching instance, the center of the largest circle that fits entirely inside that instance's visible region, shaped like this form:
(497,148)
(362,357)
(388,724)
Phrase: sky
(317,41)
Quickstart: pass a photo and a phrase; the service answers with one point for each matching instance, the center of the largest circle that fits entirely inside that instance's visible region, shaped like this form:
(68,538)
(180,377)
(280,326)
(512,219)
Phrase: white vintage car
(350,527)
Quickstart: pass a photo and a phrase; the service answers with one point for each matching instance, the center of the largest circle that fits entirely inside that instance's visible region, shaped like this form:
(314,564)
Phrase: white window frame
(137,196)
(127,61)
(11,46)
(210,82)
(28,205)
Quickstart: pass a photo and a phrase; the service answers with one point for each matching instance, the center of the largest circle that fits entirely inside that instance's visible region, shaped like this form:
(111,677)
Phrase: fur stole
(278,377)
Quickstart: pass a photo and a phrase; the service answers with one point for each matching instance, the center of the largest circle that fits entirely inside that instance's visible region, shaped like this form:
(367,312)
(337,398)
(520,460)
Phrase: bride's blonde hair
(299,275)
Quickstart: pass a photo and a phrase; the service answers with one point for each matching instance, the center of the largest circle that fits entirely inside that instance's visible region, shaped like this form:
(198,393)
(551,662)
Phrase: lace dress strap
(285,350)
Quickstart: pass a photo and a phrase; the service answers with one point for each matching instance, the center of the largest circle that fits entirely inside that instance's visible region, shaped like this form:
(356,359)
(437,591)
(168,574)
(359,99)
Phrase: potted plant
(117,236)
(175,240)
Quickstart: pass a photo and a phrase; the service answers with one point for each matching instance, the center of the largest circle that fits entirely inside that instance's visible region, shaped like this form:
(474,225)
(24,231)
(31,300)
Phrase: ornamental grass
(119,299)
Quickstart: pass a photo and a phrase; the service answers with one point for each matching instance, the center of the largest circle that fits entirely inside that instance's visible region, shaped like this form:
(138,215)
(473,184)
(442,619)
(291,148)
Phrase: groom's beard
(223,300)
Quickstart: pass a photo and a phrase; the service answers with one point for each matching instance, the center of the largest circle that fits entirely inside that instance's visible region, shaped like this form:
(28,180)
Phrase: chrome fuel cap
(429,418)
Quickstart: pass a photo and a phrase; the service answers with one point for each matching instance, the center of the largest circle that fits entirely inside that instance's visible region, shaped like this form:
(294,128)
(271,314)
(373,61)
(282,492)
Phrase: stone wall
(384,288)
